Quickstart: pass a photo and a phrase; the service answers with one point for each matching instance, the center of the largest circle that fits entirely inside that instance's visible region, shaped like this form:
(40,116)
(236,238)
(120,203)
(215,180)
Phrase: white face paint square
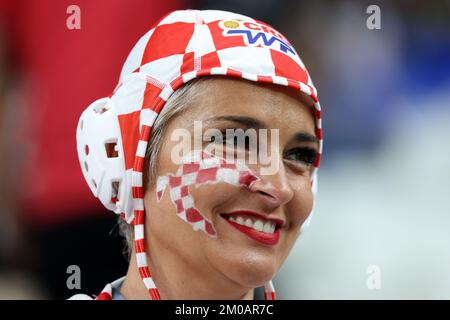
(182,215)
(175,192)
(188,202)
(230,176)
(209,163)
(200,225)
(188,179)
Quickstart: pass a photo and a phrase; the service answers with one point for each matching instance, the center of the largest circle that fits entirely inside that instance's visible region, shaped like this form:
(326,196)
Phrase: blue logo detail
(252,39)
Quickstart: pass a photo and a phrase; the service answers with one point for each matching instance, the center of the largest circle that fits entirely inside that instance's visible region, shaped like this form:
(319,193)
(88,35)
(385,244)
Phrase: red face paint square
(184,191)
(174,181)
(190,167)
(228,165)
(193,215)
(206,175)
(179,204)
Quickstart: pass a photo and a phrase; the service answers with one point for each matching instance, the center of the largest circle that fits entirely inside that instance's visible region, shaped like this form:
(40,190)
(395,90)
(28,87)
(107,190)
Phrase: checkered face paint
(198,168)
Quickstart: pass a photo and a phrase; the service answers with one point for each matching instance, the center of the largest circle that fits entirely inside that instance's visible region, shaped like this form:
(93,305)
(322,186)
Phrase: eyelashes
(304,155)
(240,141)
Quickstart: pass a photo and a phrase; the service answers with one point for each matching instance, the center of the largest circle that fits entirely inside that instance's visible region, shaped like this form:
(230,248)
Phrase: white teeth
(258,225)
(268,227)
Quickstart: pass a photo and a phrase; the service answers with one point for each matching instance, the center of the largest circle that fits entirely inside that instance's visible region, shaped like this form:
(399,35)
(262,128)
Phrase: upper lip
(277,220)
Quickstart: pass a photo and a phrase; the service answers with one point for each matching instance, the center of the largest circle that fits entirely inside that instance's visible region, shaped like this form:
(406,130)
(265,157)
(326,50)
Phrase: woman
(208,149)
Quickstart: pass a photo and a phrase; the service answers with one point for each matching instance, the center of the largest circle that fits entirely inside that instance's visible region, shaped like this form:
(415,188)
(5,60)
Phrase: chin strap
(106,294)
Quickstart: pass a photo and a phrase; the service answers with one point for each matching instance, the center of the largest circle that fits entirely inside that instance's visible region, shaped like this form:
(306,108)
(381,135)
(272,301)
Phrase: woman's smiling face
(239,254)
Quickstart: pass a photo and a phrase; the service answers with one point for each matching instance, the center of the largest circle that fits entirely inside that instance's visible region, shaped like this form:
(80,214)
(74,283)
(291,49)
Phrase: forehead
(277,106)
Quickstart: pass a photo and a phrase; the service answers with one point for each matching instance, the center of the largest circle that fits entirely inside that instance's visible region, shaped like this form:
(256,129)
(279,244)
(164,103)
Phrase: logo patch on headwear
(256,34)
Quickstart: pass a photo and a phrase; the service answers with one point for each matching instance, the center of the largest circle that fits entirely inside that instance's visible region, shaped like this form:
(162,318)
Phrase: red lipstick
(270,239)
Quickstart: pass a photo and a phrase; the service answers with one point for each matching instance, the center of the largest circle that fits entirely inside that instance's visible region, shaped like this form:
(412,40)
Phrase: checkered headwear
(183,45)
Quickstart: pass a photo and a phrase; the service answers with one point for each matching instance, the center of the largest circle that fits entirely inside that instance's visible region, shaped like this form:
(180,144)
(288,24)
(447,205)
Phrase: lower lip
(270,239)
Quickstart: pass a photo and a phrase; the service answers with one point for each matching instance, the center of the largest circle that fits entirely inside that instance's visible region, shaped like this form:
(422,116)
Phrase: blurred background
(381,225)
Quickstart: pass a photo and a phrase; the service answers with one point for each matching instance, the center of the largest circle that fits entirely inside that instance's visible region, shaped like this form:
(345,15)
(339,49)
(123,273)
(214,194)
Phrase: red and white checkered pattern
(198,168)
(185,45)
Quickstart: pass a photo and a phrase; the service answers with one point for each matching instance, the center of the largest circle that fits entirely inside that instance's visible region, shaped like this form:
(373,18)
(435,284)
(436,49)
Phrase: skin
(192,265)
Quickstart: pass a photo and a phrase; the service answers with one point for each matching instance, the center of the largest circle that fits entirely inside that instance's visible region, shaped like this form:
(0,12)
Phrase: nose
(274,189)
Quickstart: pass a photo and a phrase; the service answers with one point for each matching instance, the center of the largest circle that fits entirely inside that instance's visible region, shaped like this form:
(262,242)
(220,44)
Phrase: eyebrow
(305,137)
(245,121)
(257,124)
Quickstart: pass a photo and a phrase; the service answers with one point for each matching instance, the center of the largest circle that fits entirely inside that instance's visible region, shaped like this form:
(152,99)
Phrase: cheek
(209,198)
(164,228)
(301,205)
(197,169)
(297,211)
(160,215)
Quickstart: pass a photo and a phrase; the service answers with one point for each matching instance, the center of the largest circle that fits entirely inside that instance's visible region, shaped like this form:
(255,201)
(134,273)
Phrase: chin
(252,271)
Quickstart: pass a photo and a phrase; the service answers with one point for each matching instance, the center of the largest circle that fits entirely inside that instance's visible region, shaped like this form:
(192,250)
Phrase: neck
(190,284)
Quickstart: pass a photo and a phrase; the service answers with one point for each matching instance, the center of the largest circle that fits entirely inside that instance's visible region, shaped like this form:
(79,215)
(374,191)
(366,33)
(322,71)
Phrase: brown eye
(304,155)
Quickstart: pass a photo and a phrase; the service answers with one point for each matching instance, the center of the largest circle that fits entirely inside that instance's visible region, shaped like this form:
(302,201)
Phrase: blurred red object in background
(61,72)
